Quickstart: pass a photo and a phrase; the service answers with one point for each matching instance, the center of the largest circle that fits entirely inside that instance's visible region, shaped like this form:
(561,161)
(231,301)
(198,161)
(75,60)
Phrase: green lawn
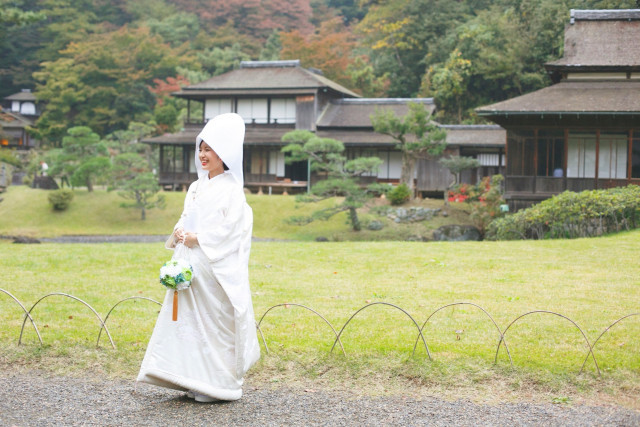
(26,211)
(592,281)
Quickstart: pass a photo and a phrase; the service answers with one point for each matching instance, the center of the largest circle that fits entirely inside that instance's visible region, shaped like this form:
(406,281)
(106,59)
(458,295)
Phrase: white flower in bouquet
(176,274)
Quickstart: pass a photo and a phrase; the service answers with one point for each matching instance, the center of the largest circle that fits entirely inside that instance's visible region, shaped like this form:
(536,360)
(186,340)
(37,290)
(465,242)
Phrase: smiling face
(209,160)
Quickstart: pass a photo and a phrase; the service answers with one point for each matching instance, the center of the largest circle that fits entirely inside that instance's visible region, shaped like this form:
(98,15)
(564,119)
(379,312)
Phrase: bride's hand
(190,240)
(179,235)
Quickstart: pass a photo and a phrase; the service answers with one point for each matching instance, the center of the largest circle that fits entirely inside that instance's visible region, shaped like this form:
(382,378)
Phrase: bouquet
(176,274)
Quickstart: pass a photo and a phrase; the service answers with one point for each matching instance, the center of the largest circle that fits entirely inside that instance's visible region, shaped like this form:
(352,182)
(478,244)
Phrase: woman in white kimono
(207,351)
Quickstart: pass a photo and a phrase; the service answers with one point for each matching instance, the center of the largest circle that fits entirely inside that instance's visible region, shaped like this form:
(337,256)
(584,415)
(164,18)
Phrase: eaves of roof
(573,97)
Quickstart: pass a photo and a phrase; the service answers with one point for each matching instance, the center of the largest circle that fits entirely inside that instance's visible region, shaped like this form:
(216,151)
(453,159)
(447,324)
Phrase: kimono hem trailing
(213,343)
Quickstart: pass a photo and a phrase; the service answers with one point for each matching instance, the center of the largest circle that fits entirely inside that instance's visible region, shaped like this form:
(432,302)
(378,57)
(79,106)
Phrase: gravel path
(35,399)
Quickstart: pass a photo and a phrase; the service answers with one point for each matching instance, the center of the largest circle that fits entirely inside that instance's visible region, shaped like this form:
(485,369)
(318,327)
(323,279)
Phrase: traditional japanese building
(275,97)
(13,131)
(583,132)
(23,102)
(18,113)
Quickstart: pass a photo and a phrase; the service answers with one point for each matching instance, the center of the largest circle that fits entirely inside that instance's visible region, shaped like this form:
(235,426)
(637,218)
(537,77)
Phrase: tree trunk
(143,213)
(446,191)
(89,185)
(355,221)
(406,175)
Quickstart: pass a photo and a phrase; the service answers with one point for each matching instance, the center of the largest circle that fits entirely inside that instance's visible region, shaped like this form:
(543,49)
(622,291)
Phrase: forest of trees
(106,63)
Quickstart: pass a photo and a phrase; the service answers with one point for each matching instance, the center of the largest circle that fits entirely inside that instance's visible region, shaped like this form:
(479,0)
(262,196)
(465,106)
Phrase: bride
(207,351)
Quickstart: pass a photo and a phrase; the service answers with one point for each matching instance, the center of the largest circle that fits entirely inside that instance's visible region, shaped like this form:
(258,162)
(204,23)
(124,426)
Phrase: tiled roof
(13,120)
(476,135)
(24,95)
(356,113)
(253,136)
(269,76)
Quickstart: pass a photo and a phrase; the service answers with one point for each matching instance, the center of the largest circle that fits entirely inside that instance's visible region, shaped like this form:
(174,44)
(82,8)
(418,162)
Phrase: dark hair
(224,165)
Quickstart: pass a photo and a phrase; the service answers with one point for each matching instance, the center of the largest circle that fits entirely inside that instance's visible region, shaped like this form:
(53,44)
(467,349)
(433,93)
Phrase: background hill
(465,53)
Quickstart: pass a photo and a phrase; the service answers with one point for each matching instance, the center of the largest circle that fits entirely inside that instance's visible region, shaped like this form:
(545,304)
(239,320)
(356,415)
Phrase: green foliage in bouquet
(176,274)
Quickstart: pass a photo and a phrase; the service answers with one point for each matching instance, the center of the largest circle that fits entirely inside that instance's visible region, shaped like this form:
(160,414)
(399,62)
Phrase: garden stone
(25,239)
(375,225)
(455,233)
(417,238)
(45,183)
(321,239)
(414,214)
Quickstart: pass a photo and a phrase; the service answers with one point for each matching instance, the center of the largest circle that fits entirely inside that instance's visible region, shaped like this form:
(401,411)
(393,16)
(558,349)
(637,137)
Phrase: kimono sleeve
(223,237)
(171,241)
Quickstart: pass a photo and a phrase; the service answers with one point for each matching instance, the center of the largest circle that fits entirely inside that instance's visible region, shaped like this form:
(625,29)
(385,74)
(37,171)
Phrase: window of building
(28,108)
(613,152)
(489,159)
(283,110)
(214,107)
(191,158)
(550,153)
(276,162)
(391,167)
(173,160)
(581,155)
(520,153)
(253,110)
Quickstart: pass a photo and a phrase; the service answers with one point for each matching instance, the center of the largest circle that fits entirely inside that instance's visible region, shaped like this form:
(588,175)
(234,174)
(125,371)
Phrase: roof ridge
(604,15)
(270,64)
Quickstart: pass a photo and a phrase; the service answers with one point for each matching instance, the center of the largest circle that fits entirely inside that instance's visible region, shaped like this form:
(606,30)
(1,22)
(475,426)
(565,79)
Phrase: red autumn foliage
(329,49)
(256,18)
(162,88)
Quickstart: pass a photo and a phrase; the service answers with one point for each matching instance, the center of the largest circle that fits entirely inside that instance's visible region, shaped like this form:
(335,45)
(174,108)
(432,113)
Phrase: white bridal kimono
(213,343)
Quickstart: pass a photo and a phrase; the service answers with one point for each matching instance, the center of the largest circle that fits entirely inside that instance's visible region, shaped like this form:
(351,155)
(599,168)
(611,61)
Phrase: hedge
(572,215)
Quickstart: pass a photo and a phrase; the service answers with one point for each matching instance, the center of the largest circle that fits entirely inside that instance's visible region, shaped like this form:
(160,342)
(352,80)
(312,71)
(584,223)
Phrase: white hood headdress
(225,135)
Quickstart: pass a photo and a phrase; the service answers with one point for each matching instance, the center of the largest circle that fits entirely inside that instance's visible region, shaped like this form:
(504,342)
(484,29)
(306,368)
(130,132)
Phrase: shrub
(485,202)
(400,194)
(61,199)
(27,180)
(571,215)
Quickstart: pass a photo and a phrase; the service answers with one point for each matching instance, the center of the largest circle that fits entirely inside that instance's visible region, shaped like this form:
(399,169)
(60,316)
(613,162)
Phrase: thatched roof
(601,39)
(356,113)
(263,78)
(568,97)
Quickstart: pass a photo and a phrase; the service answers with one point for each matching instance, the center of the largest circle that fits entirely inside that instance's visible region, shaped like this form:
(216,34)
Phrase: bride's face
(209,159)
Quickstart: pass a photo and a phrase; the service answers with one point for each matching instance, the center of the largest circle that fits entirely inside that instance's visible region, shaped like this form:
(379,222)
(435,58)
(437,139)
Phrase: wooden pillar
(629,156)
(565,160)
(535,159)
(597,159)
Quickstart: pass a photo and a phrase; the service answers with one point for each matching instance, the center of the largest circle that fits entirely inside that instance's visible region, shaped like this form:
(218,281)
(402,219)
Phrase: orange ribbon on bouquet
(175,306)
